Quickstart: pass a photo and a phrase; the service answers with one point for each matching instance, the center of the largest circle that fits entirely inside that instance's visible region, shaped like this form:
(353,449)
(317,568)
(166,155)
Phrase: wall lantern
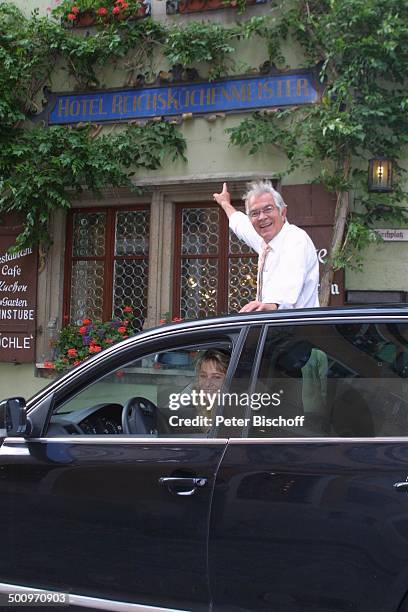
(380,174)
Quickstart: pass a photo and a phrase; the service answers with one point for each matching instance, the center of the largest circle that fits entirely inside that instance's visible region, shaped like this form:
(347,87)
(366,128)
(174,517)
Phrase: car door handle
(401,486)
(172,482)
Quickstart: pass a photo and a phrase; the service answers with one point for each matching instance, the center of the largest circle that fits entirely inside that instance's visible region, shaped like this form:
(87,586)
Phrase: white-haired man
(288,269)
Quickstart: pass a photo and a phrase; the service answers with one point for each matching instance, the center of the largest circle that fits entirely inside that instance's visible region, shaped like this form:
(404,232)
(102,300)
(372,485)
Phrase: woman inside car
(196,415)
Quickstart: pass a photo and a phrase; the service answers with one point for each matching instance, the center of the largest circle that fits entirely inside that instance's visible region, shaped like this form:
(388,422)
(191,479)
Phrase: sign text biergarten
(237,95)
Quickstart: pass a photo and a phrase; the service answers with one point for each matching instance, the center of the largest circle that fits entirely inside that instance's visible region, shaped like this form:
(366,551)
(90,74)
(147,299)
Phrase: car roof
(281,315)
(365,310)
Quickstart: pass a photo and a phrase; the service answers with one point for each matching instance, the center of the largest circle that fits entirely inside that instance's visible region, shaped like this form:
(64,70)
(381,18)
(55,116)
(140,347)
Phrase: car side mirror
(13,417)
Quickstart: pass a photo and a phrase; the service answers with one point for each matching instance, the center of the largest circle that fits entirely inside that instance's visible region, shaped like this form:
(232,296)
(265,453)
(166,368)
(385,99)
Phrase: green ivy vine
(42,169)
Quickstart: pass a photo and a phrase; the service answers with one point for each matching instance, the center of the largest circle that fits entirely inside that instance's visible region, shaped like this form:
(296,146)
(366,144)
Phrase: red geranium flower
(82,330)
(75,10)
(102,11)
(128,309)
(71,17)
(86,321)
(122,330)
(95,348)
(49,365)
(76,363)
(115,10)
(72,352)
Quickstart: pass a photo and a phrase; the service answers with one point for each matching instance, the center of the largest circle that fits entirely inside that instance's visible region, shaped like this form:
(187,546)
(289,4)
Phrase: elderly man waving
(288,269)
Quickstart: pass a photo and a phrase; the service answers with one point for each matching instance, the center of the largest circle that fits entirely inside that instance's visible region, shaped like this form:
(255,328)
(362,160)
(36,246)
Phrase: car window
(332,380)
(173,392)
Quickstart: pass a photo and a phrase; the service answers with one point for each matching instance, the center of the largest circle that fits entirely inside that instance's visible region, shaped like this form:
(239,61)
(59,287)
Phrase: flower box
(195,6)
(85,19)
(86,13)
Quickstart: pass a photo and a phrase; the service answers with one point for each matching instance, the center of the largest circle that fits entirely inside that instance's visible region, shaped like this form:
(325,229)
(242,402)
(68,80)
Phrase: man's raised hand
(224,200)
(223,197)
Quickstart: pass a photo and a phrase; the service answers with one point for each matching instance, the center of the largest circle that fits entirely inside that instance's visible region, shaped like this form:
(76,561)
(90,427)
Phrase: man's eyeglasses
(266,210)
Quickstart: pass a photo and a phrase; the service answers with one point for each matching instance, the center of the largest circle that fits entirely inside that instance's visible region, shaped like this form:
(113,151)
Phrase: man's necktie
(261,264)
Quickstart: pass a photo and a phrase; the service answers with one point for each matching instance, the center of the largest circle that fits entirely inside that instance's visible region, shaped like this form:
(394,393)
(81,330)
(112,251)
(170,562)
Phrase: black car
(289,494)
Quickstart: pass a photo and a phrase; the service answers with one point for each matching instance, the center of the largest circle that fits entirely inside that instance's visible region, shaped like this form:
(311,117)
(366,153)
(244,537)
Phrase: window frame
(109,258)
(222,257)
(233,334)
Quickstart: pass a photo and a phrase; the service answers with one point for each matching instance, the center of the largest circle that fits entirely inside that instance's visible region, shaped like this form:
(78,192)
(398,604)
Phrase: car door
(98,513)
(310,507)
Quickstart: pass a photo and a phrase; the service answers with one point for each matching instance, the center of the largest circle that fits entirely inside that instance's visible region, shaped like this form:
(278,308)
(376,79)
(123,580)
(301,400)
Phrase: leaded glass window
(215,272)
(107,264)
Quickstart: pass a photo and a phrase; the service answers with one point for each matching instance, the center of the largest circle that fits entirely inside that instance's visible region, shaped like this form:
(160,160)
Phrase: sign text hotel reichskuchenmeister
(227,95)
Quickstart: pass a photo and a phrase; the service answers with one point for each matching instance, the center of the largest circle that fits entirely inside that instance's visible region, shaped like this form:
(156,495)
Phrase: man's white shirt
(291,270)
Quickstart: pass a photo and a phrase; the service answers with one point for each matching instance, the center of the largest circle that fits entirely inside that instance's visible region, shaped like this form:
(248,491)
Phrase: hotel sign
(233,95)
(18,296)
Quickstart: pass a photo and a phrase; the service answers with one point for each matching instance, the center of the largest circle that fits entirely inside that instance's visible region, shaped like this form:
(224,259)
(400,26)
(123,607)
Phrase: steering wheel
(139,416)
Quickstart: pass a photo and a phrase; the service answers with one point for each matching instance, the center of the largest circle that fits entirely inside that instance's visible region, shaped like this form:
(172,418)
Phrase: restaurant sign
(18,292)
(227,95)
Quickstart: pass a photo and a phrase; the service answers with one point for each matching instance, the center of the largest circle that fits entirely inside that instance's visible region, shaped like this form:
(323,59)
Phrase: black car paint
(93,519)
(311,526)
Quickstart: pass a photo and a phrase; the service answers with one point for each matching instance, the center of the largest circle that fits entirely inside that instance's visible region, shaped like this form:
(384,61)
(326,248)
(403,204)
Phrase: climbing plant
(42,169)
(198,43)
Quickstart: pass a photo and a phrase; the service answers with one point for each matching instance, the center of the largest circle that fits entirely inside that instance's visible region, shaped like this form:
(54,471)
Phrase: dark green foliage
(198,42)
(42,169)
(85,56)
(24,65)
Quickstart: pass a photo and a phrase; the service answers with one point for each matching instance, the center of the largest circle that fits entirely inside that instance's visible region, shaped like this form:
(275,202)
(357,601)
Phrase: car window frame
(307,321)
(230,333)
